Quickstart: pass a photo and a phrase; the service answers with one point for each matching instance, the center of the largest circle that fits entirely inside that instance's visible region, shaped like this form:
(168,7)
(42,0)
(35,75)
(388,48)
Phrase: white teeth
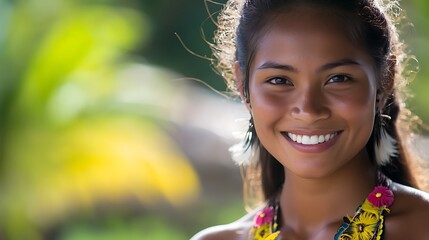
(314,139)
(311,140)
(327,137)
(305,140)
(294,137)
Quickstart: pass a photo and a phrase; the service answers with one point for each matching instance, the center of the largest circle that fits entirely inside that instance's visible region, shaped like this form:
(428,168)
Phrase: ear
(239,79)
(387,83)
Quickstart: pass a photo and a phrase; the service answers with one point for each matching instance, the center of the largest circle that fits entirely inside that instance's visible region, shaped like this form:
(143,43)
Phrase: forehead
(309,31)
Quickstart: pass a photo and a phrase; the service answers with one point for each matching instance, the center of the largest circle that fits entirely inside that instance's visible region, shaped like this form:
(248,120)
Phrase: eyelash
(284,81)
(344,78)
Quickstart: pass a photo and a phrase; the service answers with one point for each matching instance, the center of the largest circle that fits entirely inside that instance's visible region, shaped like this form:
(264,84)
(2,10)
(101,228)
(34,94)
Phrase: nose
(310,106)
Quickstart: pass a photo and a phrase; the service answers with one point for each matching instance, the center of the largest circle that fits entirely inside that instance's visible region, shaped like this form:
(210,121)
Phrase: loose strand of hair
(189,50)
(206,3)
(205,84)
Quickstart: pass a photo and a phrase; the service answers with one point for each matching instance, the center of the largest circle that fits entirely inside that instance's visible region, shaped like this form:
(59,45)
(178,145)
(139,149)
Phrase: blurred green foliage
(191,21)
(69,142)
(418,40)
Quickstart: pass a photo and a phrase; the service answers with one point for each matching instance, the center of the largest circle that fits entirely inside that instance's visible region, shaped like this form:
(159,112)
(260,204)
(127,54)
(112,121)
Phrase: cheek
(359,102)
(267,107)
(354,104)
(267,110)
(267,102)
(357,111)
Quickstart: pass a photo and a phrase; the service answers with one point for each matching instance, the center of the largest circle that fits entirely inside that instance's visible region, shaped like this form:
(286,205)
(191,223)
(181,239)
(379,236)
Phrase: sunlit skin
(308,78)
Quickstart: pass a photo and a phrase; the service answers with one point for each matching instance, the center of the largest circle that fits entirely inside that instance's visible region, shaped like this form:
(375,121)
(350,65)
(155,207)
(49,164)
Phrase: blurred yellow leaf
(95,160)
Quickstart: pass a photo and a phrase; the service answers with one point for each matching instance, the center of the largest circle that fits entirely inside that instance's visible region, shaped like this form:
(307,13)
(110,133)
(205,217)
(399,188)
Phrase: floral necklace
(366,224)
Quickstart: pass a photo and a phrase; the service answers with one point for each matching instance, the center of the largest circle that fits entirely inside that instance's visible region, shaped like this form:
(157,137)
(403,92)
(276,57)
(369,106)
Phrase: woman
(321,81)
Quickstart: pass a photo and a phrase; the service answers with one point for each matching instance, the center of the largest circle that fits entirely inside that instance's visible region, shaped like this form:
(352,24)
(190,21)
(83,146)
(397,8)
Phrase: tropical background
(113,125)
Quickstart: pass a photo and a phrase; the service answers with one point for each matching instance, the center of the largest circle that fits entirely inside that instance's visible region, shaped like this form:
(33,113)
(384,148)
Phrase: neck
(311,204)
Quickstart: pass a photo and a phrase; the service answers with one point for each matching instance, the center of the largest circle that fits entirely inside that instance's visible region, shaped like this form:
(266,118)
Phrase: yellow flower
(369,207)
(364,226)
(273,236)
(263,233)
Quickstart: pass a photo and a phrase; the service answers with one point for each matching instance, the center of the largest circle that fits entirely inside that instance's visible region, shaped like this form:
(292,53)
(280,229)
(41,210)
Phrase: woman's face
(312,93)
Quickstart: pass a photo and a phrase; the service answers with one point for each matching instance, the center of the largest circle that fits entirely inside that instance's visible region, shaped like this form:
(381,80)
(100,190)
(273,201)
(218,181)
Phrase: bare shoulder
(410,200)
(228,231)
(237,230)
(409,214)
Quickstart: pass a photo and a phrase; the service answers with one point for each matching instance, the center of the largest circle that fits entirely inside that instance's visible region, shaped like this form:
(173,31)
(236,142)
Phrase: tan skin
(308,78)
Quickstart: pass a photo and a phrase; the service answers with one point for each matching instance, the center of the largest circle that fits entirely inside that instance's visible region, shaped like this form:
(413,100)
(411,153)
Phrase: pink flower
(264,216)
(381,196)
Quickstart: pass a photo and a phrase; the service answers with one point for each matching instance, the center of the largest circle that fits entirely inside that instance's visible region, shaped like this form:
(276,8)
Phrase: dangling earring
(385,145)
(244,152)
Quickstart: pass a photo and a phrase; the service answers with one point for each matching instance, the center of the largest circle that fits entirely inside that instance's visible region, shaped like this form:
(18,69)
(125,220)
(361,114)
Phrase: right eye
(279,81)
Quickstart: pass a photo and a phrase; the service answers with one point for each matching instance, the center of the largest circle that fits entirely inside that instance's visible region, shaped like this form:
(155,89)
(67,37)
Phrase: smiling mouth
(311,139)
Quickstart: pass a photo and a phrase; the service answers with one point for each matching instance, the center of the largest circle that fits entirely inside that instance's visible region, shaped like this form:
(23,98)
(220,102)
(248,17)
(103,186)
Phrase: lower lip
(314,148)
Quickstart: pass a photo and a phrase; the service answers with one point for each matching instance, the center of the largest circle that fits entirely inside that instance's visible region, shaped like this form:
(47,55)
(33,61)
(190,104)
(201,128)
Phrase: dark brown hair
(370,23)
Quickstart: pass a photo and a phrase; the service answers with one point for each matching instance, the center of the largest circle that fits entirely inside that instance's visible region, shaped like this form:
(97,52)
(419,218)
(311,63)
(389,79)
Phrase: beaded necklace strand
(366,224)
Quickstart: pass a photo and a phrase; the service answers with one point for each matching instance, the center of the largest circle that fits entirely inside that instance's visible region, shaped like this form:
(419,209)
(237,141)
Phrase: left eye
(338,79)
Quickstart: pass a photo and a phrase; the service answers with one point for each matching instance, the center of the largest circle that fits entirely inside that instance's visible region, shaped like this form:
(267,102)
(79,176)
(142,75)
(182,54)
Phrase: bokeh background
(109,126)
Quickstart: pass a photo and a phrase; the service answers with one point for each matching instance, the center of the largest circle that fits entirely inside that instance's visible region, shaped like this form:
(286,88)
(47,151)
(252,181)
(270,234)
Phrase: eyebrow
(331,65)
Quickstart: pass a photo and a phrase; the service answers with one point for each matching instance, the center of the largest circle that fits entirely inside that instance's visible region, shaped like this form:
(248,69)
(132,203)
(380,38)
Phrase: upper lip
(312,132)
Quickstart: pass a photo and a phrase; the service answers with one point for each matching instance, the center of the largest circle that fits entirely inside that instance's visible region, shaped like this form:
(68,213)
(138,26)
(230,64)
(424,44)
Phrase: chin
(311,172)
(316,174)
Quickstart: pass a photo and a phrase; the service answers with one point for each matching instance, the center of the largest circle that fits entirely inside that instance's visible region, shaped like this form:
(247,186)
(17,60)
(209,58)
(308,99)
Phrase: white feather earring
(385,148)
(385,145)
(245,152)
(243,156)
